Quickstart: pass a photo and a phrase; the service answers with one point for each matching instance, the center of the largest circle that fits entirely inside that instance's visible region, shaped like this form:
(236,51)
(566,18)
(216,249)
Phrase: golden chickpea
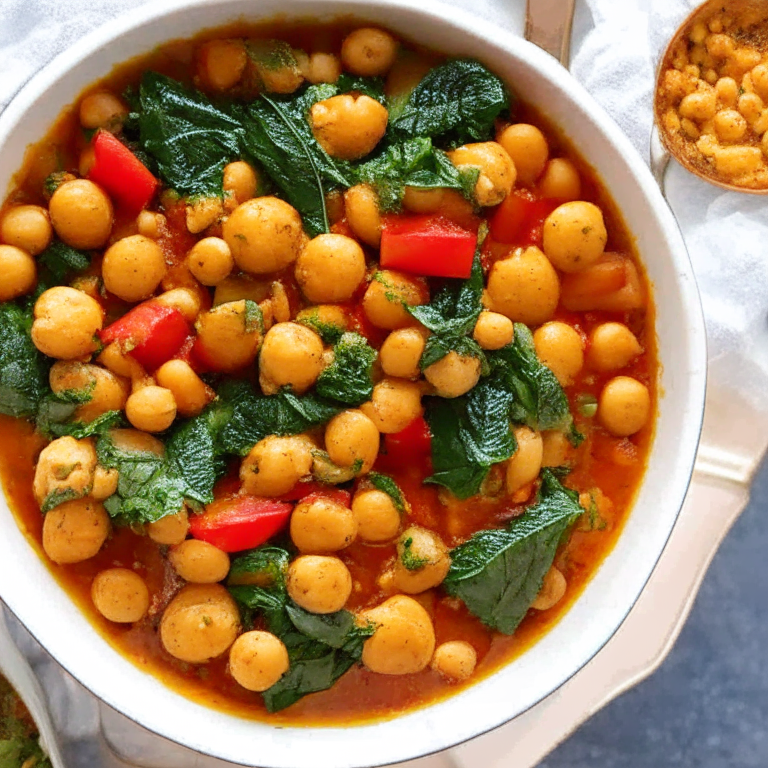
(556,449)
(210,260)
(727,90)
(66,323)
(321,525)
(624,406)
(131,440)
(700,105)
(401,351)
(325,316)
(560,180)
(319,583)
(151,409)
(189,391)
(493,330)
(453,375)
(108,392)
(455,660)
(277,66)
(86,161)
(120,595)
(497,171)
(102,110)
(422,560)
(404,640)
(18,270)
(200,623)
(121,363)
(730,125)
(351,437)
(348,127)
(560,348)
(221,63)
(612,346)
(524,287)
(330,268)
(229,335)
(760,80)
(240,182)
(574,236)
(384,298)
(133,268)
(292,355)
(257,660)
(65,464)
(737,161)
(275,464)
(750,105)
(377,517)
(170,530)
(186,300)
(104,483)
(528,149)
(720,46)
(203,212)
(81,214)
(150,224)
(395,403)
(552,590)
(525,464)
(419,200)
(28,228)
(264,234)
(75,530)
(361,204)
(322,68)
(369,51)
(199,562)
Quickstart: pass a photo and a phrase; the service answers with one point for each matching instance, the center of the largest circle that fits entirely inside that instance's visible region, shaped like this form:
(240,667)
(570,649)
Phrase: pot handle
(548,24)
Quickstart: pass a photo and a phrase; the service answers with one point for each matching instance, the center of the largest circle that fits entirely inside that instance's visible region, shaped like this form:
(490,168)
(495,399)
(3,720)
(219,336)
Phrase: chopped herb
(387,485)
(410,561)
(61,496)
(254,319)
(349,378)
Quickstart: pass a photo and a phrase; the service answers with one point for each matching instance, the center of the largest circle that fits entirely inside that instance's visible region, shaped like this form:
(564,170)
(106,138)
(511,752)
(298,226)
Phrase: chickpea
(131,440)
(612,346)
(624,406)
(497,171)
(257,660)
(524,287)
(170,530)
(324,317)
(760,80)
(121,363)
(104,483)
(423,200)
(361,204)
(189,391)
(738,160)
(203,213)
(330,268)
(133,268)
(322,68)
(275,464)
(422,560)
(730,125)
(401,351)
(240,182)
(352,437)
(556,449)
(727,90)
(404,640)
(560,180)
(700,105)
(75,530)
(395,403)
(277,66)
(384,298)
(81,214)
(750,105)
(455,660)
(66,323)
(574,236)
(527,147)
(86,161)
(186,300)
(348,127)
(108,392)
(28,227)
(18,270)
(210,260)
(65,464)
(151,409)
(292,354)
(199,562)
(525,464)
(264,235)
(221,63)
(321,525)
(493,331)
(102,110)
(120,595)
(200,623)
(319,584)
(229,336)
(368,51)
(560,348)
(454,374)
(552,590)
(377,517)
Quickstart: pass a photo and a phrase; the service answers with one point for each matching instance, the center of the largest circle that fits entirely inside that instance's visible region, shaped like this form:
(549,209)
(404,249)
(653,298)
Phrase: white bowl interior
(43,606)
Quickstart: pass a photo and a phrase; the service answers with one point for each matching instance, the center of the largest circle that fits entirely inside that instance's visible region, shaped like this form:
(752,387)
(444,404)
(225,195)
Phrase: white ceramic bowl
(43,606)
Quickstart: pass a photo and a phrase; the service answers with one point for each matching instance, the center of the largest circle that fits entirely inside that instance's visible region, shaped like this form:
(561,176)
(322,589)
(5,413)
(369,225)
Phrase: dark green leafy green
(56,408)
(61,261)
(61,496)
(349,378)
(498,573)
(368,86)
(257,581)
(387,485)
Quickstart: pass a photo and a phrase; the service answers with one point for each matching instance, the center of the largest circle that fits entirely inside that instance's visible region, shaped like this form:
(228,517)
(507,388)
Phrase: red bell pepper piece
(241,523)
(519,218)
(151,333)
(427,245)
(412,443)
(116,169)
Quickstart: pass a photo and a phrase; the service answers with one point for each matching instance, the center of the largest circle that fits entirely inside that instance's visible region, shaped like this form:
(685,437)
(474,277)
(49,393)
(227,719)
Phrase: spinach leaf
(368,86)
(61,261)
(257,582)
(55,409)
(456,102)
(498,573)
(81,429)
(349,378)
(387,485)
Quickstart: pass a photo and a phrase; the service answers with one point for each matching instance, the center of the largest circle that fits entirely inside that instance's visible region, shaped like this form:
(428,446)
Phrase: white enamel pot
(41,604)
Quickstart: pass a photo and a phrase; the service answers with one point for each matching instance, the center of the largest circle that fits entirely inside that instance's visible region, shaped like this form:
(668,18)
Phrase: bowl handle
(660,158)
(548,24)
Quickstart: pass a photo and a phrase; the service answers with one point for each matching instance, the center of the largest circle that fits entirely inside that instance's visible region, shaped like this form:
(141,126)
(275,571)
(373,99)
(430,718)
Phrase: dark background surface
(707,706)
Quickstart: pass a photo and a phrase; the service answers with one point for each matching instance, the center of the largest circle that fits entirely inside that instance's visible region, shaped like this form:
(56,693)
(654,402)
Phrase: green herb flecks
(410,560)
(387,485)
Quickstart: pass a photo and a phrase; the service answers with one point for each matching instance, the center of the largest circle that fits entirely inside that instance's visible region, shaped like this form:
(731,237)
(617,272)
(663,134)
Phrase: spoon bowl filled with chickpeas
(345,401)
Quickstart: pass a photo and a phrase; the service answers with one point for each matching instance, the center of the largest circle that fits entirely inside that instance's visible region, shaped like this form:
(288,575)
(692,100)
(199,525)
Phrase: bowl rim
(545,66)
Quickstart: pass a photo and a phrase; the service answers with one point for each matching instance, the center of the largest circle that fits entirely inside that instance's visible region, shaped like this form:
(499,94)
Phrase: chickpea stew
(327,369)
(19,739)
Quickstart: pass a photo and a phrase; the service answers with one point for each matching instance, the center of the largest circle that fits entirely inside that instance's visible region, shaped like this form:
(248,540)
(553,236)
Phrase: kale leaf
(387,485)
(349,378)
(498,573)
(61,261)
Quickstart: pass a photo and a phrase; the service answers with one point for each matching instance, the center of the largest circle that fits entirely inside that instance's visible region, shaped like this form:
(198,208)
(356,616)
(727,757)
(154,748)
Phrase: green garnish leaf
(411,561)
(61,261)
(387,485)
(349,378)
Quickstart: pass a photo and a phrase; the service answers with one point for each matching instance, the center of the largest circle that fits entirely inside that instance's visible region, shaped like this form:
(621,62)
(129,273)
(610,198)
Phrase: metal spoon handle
(548,24)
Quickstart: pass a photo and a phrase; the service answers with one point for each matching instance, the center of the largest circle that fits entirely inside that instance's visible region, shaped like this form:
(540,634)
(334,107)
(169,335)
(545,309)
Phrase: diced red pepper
(304,490)
(412,443)
(115,168)
(427,245)
(242,523)
(519,219)
(152,333)
(184,352)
